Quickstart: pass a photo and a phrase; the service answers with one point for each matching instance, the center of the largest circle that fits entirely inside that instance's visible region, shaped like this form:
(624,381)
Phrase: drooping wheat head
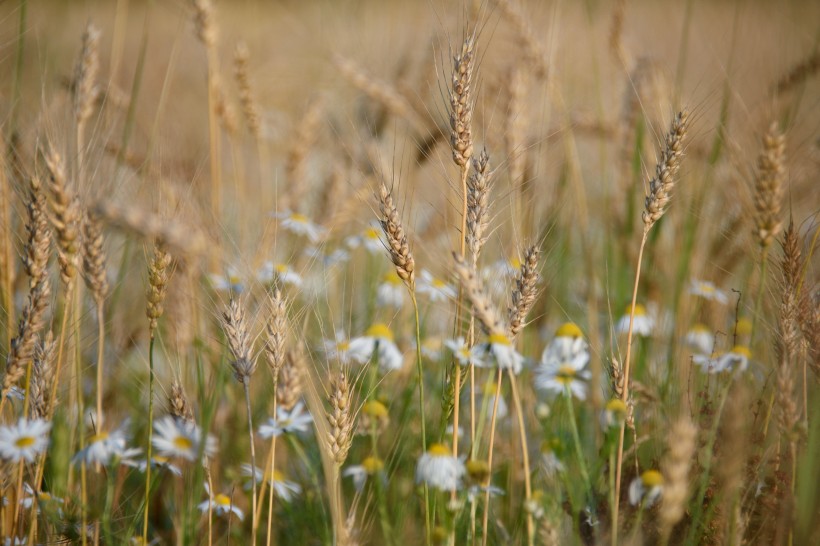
(525,291)
(396,238)
(660,187)
(239,341)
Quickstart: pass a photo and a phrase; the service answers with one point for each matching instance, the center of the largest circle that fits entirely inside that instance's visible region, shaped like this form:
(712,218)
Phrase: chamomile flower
(370,239)
(44,499)
(563,363)
(431,348)
(438,468)
(487,393)
(700,339)
(299,224)
(231,281)
(373,417)
(550,461)
(371,466)
(708,291)
(105,447)
(391,291)
(284,488)
(24,440)
(297,419)
(435,289)
(338,348)
(614,414)
(743,328)
(462,352)
(178,438)
(221,505)
(158,462)
(499,352)
(736,359)
(377,340)
(271,272)
(646,488)
(643,323)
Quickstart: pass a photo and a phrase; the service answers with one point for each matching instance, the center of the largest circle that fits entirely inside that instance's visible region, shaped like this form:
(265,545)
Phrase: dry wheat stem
(486,516)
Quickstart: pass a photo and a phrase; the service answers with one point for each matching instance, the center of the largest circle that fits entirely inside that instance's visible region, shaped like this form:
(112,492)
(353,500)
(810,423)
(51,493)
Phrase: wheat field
(360,272)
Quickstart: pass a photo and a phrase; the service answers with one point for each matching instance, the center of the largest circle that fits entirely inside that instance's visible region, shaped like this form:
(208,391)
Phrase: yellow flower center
(566,374)
(652,478)
(617,407)
(380,330)
(706,287)
(464,353)
(280,268)
(640,310)
(568,329)
(43,496)
(515,263)
(182,443)
(222,500)
(392,278)
(371,233)
(278,476)
(744,327)
(342,345)
(374,408)
(478,470)
(233,279)
(301,218)
(439,450)
(499,339)
(25,441)
(100,437)
(489,388)
(700,328)
(438,283)
(742,350)
(159,459)
(372,464)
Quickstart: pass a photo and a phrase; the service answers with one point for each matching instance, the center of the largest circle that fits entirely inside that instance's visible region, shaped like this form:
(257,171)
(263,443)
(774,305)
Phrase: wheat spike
(461,104)
(340,418)
(396,238)
(675,468)
(768,192)
(94,271)
(239,341)
(178,404)
(157,284)
(42,375)
(65,217)
(660,187)
(85,75)
(277,332)
(289,384)
(525,291)
(483,308)
(250,109)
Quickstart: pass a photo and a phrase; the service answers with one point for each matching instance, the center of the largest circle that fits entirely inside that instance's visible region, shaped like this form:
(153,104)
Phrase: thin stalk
(625,394)
(150,437)
(109,505)
(420,371)
(576,437)
(246,384)
(486,519)
(525,455)
(100,356)
(457,378)
(272,465)
(764,269)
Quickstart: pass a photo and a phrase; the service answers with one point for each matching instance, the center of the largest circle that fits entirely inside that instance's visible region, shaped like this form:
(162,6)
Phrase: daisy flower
(43,499)
(379,340)
(359,473)
(499,351)
(646,488)
(435,289)
(373,414)
(708,291)
(700,339)
(299,224)
(550,462)
(390,292)
(488,397)
(284,489)
(230,281)
(158,462)
(105,447)
(370,239)
(642,325)
(338,348)
(438,468)
(743,328)
(271,272)
(294,420)
(179,438)
(221,505)
(563,363)
(614,414)
(24,440)
(462,352)
(736,359)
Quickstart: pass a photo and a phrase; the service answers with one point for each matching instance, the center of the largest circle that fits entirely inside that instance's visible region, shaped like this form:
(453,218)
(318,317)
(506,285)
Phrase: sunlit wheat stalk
(660,188)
